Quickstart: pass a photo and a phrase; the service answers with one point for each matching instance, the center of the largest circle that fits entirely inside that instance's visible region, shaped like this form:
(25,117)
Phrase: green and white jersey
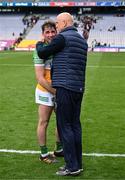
(40,62)
(46,65)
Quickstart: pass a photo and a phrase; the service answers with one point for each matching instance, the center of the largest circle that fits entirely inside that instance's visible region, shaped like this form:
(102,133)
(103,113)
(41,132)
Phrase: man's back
(69,64)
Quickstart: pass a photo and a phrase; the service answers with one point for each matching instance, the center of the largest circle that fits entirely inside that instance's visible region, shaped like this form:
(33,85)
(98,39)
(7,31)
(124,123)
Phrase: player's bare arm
(40,76)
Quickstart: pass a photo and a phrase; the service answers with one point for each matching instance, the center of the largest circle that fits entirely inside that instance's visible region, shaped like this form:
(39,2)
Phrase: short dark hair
(50,24)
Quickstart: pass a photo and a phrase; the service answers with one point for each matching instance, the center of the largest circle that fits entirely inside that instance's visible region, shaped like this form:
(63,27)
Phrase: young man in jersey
(44,96)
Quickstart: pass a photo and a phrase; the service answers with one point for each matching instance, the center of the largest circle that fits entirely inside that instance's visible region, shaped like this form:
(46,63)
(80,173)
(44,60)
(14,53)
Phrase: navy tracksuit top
(69,65)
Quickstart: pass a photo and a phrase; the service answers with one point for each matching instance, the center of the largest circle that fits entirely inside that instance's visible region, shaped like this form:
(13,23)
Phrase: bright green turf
(102,117)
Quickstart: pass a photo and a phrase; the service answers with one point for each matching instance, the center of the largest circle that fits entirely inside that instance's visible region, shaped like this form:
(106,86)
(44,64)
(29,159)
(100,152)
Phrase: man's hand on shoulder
(41,43)
(55,46)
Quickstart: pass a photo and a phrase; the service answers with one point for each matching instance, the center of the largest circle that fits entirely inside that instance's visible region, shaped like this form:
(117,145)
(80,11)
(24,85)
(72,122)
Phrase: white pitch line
(37,152)
(109,67)
(103,155)
(13,53)
(19,151)
(89,66)
(18,65)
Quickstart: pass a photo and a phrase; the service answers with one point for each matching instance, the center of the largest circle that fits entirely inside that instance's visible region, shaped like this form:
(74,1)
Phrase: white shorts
(45,98)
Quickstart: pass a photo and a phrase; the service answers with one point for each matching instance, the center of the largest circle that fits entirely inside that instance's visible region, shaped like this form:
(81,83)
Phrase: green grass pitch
(102,118)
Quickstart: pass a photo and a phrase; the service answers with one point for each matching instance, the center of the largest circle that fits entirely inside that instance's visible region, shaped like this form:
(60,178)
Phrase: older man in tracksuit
(69,51)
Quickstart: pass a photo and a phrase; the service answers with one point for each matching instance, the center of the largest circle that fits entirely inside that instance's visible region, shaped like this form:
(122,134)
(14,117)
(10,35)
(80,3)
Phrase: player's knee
(43,123)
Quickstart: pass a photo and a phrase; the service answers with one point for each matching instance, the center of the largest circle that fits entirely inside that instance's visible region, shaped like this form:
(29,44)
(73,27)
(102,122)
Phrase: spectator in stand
(85,34)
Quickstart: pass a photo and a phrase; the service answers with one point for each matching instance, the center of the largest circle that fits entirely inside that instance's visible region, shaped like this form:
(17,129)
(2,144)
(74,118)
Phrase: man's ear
(65,23)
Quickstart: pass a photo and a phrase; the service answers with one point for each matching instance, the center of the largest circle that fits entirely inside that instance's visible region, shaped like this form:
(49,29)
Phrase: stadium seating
(17,1)
(104,34)
(27,44)
(74,0)
(101,31)
(55,1)
(10,26)
(35,33)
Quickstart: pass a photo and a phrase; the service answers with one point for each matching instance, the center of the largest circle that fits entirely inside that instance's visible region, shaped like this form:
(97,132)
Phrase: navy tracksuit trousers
(69,126)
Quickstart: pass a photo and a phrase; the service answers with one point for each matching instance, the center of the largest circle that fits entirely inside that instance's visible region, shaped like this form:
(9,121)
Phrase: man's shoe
(66,172)
(59,153)
(62,168)
(81,170)
(75,173)
(48,159)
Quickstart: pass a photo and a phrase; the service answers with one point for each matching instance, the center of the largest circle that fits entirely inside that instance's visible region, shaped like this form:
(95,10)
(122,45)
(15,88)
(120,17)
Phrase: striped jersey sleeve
(37,61)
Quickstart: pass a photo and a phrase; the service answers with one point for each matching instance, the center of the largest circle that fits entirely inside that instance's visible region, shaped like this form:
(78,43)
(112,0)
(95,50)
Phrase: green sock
(58,146)
(44,149)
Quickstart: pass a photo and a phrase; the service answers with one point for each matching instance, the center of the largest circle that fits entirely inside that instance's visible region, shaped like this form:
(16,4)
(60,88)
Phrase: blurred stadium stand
(24,23)
(10,26)
(55,0)
(102,31)
(73,0)
(35,32)
(17,0)
(27,44)
(109,31)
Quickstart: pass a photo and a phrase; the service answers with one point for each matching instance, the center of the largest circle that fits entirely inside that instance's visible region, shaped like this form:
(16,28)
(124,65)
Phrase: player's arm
(55,46)
(39,71)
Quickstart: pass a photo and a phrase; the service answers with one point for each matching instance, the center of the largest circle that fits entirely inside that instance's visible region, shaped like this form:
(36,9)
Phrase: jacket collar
(69,28)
